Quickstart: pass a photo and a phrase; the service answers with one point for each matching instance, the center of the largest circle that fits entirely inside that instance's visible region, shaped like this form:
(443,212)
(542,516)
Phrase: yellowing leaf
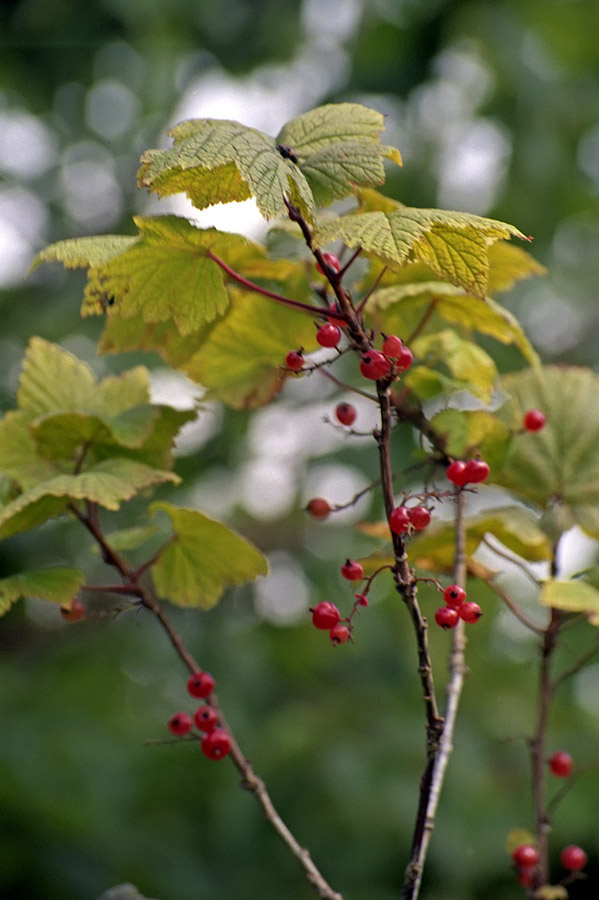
(465,360)
(203,559)
(465,432)
(509,264)
(573,596)
(57,584)
(19,458)
(80,253)
(332,124)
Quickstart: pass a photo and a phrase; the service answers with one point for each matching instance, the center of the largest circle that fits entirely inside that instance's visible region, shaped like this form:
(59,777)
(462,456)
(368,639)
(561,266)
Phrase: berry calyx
(419,517)
(179,724)
(216,744)
(352,570)
(470,612)
(328,335)
(325,615)
(318,508)
(332,262)
(200,684)
(454,596)
(477,470)
(374,365)
(294,360)
(392,346)
(561,764)
(339,634)
(205,718)
(446,617)
(534,420)
(573,857)
(346,413)
(456,472)
(75,612)
(525,856)
(399,520)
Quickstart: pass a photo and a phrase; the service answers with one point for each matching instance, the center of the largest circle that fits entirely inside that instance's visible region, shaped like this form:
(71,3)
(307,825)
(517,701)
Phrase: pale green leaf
(466,432)
(463,359)
(80,253)
(54,380)
(336,171)
(333,123)
(204,558)
(57,585)
(127,539)
(133,334)
(570,596)
(509,264)
(19,458)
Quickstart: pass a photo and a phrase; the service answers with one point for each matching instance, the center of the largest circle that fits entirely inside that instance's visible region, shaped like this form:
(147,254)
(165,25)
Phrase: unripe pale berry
(325,615)
(332,262)
(374,365)
(216,744)
(399,520)
(200,684)
(352,570)
(573,857)
(205,718)
(561,764)
(454,596)
(346,413)
(328,335)
(477,470)
(446,617)
(419,517)
(525,856)
(319,508)
(75,612)
(339,634)
(295,360)
(470,612)
(534,420)
(179,724)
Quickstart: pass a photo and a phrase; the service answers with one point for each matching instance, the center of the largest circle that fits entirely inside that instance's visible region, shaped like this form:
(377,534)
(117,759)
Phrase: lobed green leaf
(57,584)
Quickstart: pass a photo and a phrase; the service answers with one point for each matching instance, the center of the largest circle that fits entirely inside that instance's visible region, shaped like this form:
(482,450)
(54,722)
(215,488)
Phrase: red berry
(332,262)
(179,724)
(339,634)
(454,596)
(404,360)
(75,612)
(352,570)
(334,309)
(561,764)
(419,517)
(362,599)
(205,718)
(328,335)
(346,413)
(392,346)
(295,360)
(446,617)
(399,520)
(319,508)
(534,420)
(477,470)
(573,857)
(325,615)
(526,856)
(216,744)
(374,365)
(200,684)
(456,472)
(470,612)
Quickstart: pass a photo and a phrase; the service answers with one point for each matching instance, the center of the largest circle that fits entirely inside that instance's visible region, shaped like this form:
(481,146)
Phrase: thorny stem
(249,780)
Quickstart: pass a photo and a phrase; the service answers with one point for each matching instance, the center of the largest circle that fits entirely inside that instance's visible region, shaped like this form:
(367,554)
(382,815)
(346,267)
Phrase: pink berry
(404,360)
(205,718)
(216,744)
(328,335)
(339,634)
(362,599)
(526,856)
(392,346)
(399,520)
(446,617)
(319,508)
(200,684)
(346,413)
(374,365)
(561,764)
(477,470)
(332,262)
(179,724)
(75,612)
(419,517)
(470,612)
(456,472)
(534,420)
(454,596)
(573,857)
(295,360)
(352,570)
(325,615)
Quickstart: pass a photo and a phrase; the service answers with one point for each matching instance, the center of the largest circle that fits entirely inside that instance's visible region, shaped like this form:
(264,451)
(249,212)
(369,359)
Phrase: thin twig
(516,561)
(483,573)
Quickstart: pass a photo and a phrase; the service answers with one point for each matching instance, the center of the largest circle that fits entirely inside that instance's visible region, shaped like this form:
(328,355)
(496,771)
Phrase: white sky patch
(282,597)
(175,389)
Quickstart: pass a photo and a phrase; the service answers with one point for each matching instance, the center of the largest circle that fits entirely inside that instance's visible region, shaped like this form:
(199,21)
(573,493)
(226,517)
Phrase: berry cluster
(215,742)
(526,858)
(457,607)
(406,519)
(327,617)
(472,472)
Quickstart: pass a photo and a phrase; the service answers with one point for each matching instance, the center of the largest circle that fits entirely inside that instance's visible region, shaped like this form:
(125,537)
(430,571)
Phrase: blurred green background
(495,107)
